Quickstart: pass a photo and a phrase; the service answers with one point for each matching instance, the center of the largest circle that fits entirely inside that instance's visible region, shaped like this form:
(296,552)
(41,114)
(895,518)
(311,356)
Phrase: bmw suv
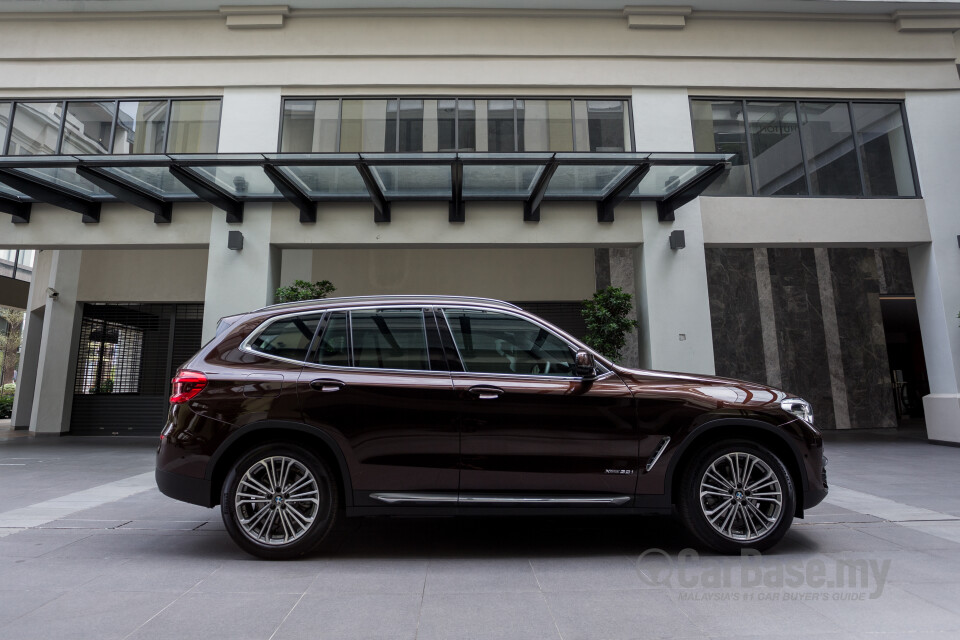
(299,414)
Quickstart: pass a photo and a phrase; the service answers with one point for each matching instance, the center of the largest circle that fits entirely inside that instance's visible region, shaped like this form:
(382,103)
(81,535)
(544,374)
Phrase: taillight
(186,385)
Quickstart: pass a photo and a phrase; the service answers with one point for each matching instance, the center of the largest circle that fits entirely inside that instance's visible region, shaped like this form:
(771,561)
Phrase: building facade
(171,163)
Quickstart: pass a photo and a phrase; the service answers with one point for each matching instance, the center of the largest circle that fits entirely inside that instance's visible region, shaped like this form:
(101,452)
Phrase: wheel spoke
(277,500)
(730,500)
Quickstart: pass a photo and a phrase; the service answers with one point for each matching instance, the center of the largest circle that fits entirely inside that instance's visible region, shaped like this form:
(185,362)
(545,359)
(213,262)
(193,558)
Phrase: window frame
(246,345)
(456,119)
(855,136)
(63,102)
(602,369)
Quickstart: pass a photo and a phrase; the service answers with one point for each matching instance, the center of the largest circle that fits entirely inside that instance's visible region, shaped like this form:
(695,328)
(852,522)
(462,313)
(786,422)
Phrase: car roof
(323,303)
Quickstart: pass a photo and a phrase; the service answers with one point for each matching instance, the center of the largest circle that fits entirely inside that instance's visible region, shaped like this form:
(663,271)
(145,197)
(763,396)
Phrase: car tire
(737,495)
(279,502)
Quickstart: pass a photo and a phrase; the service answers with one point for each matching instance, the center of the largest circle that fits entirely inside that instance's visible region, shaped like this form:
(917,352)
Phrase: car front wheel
(737,495)
(279,501)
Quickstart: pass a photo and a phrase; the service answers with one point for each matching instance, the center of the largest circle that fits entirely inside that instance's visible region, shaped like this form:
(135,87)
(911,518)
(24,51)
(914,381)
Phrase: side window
(389,339)
(333,349)
(491,342)
(289,338)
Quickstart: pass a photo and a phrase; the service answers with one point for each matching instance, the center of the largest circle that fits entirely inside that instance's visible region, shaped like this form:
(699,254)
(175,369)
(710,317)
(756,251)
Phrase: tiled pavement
(90,549)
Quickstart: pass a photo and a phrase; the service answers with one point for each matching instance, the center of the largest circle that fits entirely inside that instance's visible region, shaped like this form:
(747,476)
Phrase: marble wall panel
(862,343)
(893,267)
(735,314)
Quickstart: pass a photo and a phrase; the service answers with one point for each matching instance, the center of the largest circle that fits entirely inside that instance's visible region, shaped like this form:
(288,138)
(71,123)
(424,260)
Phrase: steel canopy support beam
(457,210)
(45,193)
(531,208)
(666,208)
(19,211)
(620,192)
(162,211)
(290,191)
(381,208)
(209,192)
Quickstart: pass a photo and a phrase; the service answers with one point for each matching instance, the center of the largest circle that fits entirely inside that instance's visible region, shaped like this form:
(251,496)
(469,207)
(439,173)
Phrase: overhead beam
(531,207)
(162,211)
(620,192)
(209,192)
(667,208)
(457,209)
(19,211)
(44,192)
(381,208)
(293,193)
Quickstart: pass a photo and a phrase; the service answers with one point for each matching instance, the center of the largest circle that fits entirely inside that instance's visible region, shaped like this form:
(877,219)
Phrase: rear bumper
(193,490)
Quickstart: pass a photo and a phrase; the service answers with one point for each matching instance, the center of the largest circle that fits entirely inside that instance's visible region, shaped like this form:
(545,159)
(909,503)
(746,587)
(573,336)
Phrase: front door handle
(485,392)
(327,385)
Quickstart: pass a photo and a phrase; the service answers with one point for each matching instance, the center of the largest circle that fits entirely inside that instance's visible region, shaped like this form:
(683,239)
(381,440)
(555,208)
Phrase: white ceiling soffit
(765,6)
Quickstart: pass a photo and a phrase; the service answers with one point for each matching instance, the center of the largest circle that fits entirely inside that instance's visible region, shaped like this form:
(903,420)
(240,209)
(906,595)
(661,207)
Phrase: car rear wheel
(279,501)
(737,495)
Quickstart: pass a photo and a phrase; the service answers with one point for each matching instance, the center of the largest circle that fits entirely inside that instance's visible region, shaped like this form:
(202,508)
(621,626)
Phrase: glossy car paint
(426,431)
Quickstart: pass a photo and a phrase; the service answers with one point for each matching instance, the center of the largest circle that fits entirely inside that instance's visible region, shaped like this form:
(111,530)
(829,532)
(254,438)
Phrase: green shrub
(303,290)
(6,407)
(607,321)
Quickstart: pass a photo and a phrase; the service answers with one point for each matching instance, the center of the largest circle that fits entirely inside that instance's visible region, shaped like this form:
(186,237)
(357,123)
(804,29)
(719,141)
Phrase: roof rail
(283,305)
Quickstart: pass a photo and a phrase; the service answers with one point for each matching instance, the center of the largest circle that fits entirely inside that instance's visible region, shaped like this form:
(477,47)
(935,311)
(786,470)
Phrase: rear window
(288,338)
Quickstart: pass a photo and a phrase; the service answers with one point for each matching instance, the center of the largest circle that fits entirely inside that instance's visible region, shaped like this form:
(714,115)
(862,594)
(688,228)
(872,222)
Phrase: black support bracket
(458,211)
(667,208)
(531,207)
(19,211)
(293,193)
(162,211)
(209,192)
(381,208)
(620,192)
(37,190)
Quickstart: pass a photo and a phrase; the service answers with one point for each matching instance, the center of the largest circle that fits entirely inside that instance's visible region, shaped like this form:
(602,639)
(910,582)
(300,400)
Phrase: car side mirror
(585,365)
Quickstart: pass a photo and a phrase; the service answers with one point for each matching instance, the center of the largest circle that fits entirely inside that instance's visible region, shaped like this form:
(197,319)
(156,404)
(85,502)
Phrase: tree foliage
(303,290)
(607,318)
(11,331)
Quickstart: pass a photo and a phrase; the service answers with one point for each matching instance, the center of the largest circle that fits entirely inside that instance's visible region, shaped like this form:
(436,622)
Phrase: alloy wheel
(741,497)
(277,500)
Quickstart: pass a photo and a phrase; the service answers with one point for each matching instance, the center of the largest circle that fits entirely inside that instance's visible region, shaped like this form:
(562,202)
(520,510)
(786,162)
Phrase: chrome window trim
(245,345)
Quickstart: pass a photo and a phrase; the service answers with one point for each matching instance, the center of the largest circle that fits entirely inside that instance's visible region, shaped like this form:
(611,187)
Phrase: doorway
(908,369)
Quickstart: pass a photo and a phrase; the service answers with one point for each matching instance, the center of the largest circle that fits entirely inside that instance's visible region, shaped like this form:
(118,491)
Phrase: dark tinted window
(289,338)
(491,342)
(333,348)
(390,339)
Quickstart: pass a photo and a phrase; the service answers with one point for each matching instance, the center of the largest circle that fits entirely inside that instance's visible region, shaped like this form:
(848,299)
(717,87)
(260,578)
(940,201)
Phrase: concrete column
(243,280)
(935,267)
(673,301)
(56,363)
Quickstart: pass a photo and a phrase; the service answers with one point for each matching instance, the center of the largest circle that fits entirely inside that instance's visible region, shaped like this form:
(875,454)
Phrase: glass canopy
(155,181)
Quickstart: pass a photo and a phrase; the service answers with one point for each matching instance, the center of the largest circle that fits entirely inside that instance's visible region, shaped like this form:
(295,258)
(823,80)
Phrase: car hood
(711,391)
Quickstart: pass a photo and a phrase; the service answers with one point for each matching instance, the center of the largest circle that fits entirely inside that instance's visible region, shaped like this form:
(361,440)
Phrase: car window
(491,342)
(288,338)
(333,349)
(389,339)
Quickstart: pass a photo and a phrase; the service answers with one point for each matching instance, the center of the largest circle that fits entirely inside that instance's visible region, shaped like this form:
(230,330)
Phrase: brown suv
(296,414)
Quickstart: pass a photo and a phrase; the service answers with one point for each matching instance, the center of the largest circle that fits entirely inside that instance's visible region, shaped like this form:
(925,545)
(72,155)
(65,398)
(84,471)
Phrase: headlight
(798,407)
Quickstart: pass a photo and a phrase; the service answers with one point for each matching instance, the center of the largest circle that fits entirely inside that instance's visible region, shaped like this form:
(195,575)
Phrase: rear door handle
(326,385)
(484,392)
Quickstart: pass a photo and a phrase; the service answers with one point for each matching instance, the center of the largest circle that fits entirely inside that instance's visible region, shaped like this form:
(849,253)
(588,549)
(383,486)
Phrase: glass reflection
(828,149)
(194,126)
(4,122)
(775,138)
(141,127)
(544,125)
(87,127)
(719,127)
(883,150)
(310,126)
(366,127)
(602,125)
(36,128)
